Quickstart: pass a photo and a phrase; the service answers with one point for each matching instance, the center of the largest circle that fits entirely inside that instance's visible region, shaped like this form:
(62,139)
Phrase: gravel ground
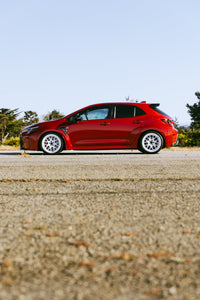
(105,225)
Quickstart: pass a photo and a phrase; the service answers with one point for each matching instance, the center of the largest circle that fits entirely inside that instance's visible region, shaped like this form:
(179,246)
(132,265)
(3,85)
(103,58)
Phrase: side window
(124,111)
(139,111)
(98,114)
(82,116)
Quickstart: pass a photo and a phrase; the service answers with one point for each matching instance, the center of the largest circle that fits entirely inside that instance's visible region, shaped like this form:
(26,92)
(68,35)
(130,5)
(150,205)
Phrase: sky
(64,55)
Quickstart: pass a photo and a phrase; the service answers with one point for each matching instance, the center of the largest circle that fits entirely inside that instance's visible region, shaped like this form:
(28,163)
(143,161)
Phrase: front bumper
(21,144)
(28,143)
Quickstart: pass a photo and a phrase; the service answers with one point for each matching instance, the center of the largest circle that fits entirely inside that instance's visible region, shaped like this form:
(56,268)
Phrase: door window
(97,113)
(124,111)
(128,111)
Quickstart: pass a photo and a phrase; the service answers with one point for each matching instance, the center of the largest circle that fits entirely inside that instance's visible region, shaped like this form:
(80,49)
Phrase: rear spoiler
(154,105)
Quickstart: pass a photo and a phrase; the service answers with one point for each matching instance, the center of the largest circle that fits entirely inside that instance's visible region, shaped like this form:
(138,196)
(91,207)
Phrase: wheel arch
(151,130)
(47,132)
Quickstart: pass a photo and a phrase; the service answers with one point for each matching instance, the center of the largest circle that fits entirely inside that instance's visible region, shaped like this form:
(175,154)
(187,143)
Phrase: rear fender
(136,134)
(150,130)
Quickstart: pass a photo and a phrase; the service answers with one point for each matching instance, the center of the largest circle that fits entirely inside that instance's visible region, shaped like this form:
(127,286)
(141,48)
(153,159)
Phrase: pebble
(97,235)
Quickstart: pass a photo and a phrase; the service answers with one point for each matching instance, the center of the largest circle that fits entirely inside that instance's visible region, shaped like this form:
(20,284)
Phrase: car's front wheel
(150,142)
(51,143)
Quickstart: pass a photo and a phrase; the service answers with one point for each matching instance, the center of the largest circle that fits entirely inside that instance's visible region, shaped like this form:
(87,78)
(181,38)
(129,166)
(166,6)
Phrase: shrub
(13,141)
(189,138)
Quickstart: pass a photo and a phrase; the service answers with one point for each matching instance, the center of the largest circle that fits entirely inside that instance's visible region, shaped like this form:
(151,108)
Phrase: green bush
(189,138)
(13,141)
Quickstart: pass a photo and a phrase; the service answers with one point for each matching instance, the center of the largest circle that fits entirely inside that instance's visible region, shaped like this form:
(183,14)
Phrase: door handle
(137,122)
(104,124)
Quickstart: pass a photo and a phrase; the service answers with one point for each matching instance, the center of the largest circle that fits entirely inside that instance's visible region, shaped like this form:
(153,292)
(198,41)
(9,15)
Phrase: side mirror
(78,118)
(74,119)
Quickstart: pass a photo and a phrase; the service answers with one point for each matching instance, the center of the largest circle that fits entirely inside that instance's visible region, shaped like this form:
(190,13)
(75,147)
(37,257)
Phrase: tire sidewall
(140,144)
(61,143)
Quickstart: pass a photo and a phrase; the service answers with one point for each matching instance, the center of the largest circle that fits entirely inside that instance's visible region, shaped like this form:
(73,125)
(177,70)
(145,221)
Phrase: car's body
(125,125)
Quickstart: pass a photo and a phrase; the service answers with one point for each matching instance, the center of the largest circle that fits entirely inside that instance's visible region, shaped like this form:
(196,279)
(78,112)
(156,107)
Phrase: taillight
(167,121)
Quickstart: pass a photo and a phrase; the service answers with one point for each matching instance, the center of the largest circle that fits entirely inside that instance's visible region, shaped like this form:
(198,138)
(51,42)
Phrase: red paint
(118,126)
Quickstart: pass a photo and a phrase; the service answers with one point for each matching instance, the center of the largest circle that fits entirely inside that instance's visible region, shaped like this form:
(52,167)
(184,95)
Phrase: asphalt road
(100,225)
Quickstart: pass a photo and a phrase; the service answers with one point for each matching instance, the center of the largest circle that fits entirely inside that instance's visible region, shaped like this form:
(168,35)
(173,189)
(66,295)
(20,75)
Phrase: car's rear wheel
(51,143)
(150,142)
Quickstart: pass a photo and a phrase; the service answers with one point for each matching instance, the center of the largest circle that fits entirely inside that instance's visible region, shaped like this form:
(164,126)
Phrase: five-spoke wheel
(51,143)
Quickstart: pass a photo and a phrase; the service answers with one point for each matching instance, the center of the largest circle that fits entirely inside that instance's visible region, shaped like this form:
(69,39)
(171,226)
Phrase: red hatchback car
(104,126)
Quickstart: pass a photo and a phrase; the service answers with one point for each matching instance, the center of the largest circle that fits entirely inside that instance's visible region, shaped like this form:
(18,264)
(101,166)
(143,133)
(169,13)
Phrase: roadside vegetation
(189,137)
(11,123)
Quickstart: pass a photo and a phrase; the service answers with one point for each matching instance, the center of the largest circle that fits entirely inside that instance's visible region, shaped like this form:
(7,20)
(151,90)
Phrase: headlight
(31,129)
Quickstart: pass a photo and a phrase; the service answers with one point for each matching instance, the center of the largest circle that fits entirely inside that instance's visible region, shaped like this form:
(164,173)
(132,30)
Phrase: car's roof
(142,103)
(117,103)
(128,102)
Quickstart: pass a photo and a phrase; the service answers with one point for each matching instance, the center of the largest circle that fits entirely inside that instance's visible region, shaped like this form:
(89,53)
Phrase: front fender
(62,133)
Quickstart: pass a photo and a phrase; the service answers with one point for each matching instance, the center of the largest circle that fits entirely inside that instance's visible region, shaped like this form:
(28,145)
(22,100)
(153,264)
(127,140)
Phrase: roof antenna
(131,100)
(127,98)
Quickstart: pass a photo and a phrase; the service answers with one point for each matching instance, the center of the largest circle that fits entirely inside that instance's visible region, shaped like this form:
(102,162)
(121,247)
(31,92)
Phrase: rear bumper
(172,138)
(175,144)
(174,141)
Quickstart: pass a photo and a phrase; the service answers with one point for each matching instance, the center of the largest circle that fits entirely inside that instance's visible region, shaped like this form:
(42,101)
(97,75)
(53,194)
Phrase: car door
(127,119)
(92,128)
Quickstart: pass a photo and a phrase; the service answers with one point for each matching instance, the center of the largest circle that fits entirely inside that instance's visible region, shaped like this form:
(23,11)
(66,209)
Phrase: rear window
(155,107)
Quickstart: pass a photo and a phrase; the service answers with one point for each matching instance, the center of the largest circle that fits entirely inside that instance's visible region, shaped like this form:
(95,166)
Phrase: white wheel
(151,142)
(51,143)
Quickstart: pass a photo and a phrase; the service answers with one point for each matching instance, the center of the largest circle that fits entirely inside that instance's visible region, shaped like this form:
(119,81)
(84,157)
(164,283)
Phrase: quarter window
(139,111)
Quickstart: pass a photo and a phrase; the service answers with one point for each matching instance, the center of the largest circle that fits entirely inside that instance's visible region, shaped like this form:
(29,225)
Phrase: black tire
(51,143)
(150,142)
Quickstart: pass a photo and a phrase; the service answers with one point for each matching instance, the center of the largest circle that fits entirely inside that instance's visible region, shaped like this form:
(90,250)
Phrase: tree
(194,111)
(30,117)
(54,115)
(7,122)
(176,123)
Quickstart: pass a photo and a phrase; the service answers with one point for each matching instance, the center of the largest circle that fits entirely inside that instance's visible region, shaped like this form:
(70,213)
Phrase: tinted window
(128,111)
(124,111)
(139,111)
(155,107)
